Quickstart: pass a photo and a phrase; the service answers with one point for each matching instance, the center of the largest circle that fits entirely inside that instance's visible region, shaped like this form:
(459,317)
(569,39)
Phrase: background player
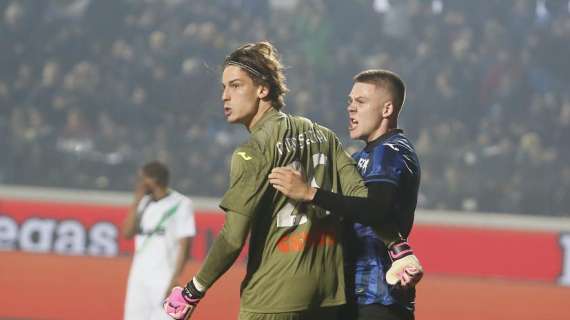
(162,222)
(391,170)
(295,265)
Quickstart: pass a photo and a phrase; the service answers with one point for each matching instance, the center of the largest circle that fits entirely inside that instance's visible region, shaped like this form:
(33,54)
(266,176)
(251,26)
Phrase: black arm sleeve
(371,211)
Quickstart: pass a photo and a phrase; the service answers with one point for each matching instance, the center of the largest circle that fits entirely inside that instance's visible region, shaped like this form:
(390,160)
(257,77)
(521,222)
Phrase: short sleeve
(248,177)
(388,165)
(185,222)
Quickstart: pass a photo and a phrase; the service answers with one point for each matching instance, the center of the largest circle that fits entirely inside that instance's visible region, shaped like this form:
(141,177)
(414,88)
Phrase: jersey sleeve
(388,165)
(247,179)
(225,249)
(185,222)
(350,180)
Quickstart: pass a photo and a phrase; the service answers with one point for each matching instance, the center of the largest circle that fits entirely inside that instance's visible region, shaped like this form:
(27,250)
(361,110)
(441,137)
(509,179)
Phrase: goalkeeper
(295,267)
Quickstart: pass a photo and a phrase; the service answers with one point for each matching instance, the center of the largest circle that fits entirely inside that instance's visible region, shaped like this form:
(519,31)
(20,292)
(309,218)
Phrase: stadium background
(89,90)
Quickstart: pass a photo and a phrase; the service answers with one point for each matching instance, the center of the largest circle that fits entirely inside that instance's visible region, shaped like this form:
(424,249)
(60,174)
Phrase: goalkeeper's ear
(262,92)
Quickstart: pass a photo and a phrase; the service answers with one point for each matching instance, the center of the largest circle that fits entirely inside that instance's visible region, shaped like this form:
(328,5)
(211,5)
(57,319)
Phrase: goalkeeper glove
(406,270)
(182,301)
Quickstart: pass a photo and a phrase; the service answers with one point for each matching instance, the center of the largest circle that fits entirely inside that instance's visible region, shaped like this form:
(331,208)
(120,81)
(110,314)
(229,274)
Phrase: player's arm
(225,250)
(377,210)
(372,210)
(372,200)
(240,206)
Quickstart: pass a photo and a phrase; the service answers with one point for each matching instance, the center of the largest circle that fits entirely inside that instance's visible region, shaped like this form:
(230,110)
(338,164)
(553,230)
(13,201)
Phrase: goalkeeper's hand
(182,301)
(406,270)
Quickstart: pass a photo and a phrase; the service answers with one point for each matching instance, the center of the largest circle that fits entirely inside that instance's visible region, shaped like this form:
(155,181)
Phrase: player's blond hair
(262,62)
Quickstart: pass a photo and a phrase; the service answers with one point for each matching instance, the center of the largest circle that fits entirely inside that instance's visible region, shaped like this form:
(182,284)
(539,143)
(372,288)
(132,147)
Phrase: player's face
(240,95)
(148,183)
(365,105)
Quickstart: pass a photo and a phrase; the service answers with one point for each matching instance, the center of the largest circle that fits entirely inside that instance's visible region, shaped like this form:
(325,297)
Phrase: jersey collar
(370,145)
(270,114)
(166,196)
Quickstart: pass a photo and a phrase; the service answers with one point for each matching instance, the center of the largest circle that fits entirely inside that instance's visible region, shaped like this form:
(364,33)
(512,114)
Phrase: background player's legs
(381,312)
(144,302)
(158,313)
(137,303)
(156,294)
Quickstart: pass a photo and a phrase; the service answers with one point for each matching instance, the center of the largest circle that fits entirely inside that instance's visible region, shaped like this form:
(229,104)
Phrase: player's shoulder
(401,139)
(394,143)
(323,129)
(179,197)
(387,147)
(357,154)
(258,140)
(327,132)
(247,156)
(310,124)
(263,136)
(301,121)
(322,133)
(145,200)
(249,150)
(396,150)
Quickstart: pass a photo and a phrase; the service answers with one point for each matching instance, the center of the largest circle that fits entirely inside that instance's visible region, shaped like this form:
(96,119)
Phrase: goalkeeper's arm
(225,250)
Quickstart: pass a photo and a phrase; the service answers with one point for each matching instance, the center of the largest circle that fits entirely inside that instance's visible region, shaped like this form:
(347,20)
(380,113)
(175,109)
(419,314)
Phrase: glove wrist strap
(400,250)
(191,293)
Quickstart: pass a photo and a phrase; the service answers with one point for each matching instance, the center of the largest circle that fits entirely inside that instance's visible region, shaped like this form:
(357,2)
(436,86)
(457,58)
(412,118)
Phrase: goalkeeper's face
(241,95)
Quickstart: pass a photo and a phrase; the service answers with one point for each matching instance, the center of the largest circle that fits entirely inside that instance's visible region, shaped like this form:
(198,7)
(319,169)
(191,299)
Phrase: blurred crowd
(91,89)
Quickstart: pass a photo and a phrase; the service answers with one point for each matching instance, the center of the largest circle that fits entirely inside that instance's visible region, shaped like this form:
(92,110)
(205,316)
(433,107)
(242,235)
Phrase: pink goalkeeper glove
(182,301)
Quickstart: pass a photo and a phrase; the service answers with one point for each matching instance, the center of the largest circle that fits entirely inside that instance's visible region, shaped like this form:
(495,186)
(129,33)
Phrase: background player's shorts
(329,313)
(144,302)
